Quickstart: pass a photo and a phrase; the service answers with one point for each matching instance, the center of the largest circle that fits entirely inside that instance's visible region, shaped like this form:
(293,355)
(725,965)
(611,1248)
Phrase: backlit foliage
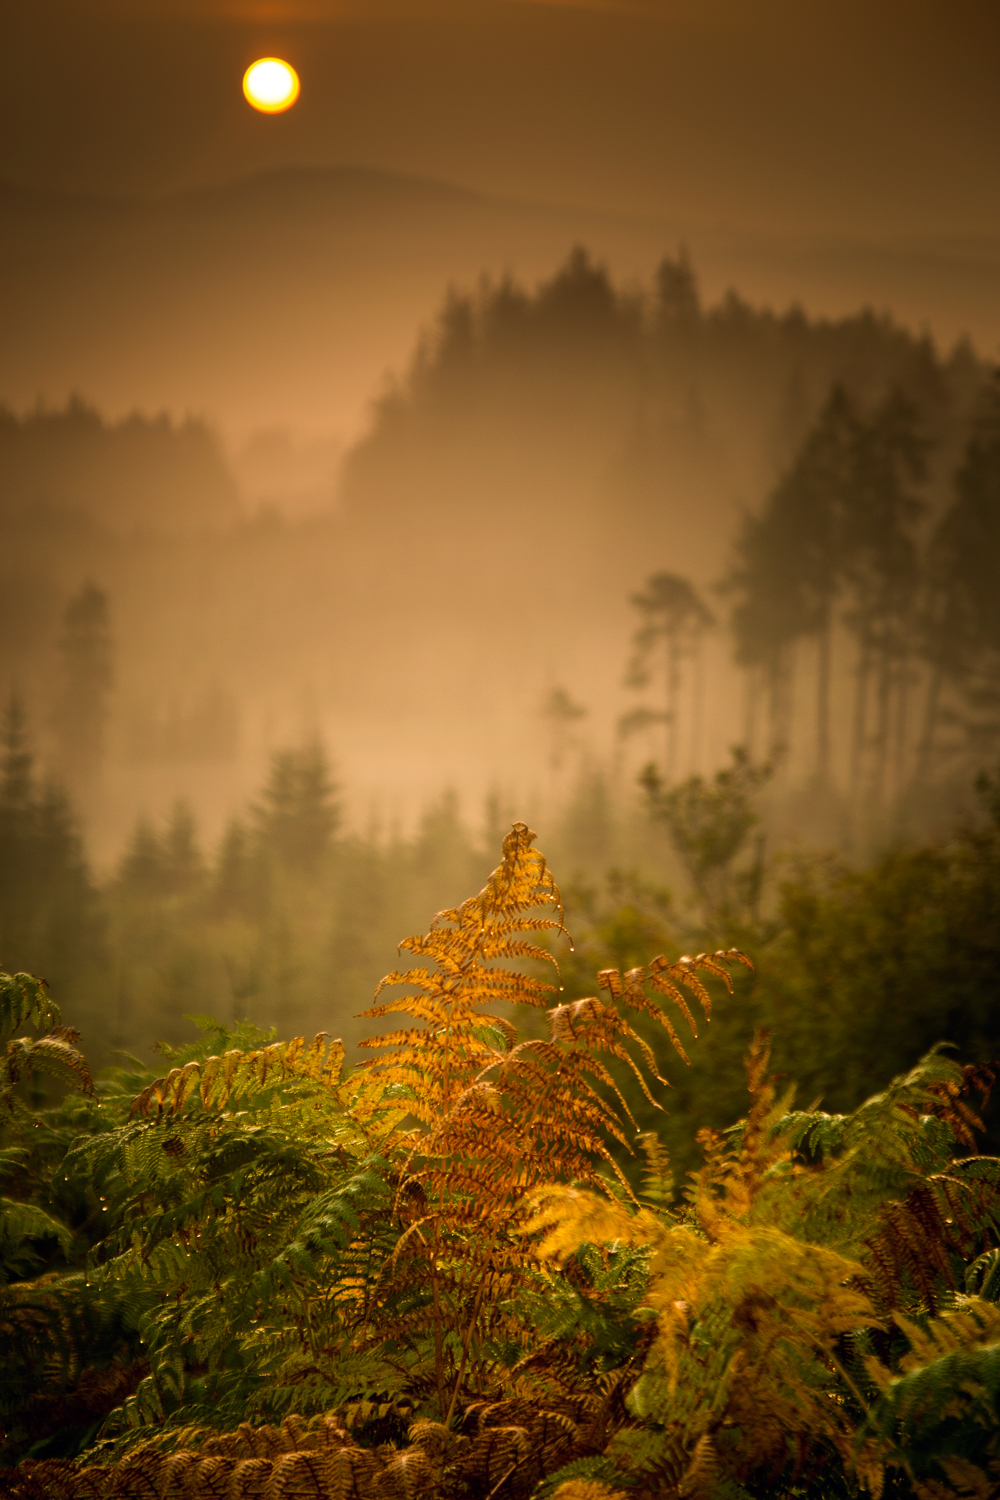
(439,1274)
(25,1002)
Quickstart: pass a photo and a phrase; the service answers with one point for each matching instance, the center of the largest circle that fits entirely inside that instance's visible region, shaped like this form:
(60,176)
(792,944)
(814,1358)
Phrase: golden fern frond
(702,1472)
(569,1217)
(671,979)
(949,1100)
(25,1001)
(658,1185)
(972,1324)
(494,1456)
(966,1481)
(498,1118)
(411,1475)
(439,1058)
(587,1489)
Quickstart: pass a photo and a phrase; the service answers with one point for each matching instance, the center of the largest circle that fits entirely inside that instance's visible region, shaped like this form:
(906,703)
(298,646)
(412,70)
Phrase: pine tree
(141,869)
(789,568)
(159,864)
(674,620)
(883,574)
(185,866)
(960,625)
(298,815)
(49,919)
(238,885)
(79,715)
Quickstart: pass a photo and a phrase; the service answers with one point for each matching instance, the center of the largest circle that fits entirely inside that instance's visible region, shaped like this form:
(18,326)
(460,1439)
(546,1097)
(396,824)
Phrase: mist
(499,748)
(497,492)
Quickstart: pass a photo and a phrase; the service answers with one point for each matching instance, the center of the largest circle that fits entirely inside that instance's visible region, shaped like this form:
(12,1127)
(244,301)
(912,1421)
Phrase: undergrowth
(266,1273)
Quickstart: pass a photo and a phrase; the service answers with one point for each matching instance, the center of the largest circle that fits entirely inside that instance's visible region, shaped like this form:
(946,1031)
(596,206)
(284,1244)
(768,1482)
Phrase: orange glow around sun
(271,85)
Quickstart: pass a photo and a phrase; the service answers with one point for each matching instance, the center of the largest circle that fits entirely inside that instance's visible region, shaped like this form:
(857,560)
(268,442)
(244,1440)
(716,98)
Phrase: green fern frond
(940,1414)
(21,1225)
(25,1001)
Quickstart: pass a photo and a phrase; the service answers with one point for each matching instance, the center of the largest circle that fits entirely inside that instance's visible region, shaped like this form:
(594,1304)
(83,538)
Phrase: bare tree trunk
(774,703)
(697,705)
(673,704)
(751,703)
(902,724)
(824,645)
(925,750)
(789,705)
(860,727)
(782,684)
(881,742)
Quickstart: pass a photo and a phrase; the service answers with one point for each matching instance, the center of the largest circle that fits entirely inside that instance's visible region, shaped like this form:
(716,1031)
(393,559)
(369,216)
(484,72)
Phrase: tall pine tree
(80,712)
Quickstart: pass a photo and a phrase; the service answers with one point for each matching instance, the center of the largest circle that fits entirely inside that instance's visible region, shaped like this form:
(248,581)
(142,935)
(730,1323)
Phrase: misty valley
(662,1166)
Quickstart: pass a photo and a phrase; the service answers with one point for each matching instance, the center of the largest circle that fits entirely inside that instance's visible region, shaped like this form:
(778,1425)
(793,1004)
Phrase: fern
(247,1230)
(429,1277)
(781,1261)
(433,1063)
(500,1116)
(938,1416)
(748,1315)
(25,1001)
(594,1478)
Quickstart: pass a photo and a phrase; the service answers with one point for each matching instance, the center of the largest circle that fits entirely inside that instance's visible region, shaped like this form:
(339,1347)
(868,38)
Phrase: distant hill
(551,436)
(279,299)
(286,297)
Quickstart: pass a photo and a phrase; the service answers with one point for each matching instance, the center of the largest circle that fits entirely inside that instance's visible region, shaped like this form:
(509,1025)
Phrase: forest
(676,1178)
(612,433)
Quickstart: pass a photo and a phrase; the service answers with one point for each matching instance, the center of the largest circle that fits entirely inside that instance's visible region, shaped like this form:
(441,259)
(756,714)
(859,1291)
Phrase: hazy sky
(851,116)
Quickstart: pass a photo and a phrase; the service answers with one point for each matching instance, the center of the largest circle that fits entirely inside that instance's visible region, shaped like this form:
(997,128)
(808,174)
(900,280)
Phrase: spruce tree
(80,712)
(674,619)
(960,623)
(298,815)
(790,562)
(50,922)
(882,568)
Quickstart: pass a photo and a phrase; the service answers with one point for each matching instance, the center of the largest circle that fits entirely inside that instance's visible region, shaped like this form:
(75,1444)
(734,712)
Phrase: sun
(271,85)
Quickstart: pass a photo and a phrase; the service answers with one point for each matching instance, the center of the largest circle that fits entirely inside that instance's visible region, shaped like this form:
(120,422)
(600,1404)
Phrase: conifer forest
(499,750)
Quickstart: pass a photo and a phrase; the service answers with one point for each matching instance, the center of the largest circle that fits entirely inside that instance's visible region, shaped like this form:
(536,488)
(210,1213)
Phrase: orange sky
(874,116)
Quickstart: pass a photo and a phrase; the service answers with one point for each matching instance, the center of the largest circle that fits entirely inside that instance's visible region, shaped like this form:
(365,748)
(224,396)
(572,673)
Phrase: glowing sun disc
(271,85)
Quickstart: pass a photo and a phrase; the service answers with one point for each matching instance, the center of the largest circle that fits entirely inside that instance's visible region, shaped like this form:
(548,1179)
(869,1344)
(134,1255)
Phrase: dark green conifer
(298,815)
(80,713)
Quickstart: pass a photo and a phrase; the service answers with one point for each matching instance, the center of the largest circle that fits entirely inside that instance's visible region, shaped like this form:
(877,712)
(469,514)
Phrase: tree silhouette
(708,823)
(789,567)
(79,715)
(960,623)
(297,816)
(163,864)
(142,866)
(560,713)
(678,305)
(882,570)
(674,620)
(49,919)
(840,529)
